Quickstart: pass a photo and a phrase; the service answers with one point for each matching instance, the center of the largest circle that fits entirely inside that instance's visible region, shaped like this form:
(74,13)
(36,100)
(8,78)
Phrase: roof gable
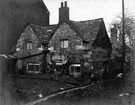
(89,29)
(64,28)
(27,35)
(44,33)
(102,39)
(86,30)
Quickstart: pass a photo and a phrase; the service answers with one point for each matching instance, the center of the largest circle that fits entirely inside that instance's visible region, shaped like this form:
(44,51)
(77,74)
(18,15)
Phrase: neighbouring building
(116,56)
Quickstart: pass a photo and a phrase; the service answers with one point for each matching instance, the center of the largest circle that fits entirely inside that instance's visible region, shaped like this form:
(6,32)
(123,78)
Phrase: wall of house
(26,36)
(65,32)
(102,49)
(93,58)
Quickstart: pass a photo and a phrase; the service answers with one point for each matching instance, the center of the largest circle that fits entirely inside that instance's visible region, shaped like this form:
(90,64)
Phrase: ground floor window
(59,67)
(75,68)
(33,67)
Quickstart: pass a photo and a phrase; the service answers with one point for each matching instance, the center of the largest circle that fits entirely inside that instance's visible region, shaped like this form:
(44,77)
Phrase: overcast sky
(81,10)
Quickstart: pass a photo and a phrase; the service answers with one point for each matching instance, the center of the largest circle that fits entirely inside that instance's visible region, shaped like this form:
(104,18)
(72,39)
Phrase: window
(72,68)
(79,45)
(78,69)
(75,68)
(64,43)
(40,48)
(29,45)
(33,67)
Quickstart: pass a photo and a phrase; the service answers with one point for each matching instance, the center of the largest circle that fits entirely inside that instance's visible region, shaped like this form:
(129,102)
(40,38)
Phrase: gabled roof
(87,30)
(44,33)
(117,49)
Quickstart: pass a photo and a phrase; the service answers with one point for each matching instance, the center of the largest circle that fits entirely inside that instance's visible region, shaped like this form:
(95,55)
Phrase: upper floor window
(79,45)
(64,43)
(29,45)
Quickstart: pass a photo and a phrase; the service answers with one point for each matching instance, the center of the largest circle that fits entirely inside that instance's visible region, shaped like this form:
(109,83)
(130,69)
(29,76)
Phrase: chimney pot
(114,33)
(61,4)
(65,3)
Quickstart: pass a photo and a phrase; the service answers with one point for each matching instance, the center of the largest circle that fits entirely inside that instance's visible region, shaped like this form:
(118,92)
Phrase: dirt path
(59,93)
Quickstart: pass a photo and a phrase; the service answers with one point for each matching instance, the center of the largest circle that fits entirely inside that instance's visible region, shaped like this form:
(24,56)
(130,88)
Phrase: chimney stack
(61,4)
(114,33)
(63,12)
(65,3)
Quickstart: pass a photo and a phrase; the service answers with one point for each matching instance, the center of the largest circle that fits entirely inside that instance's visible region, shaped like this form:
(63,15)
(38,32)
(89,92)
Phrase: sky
(81,10)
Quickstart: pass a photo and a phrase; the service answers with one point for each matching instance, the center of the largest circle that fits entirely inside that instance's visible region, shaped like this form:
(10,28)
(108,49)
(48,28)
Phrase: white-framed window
(29,45)
(33,67)
(64,43)
(75,68)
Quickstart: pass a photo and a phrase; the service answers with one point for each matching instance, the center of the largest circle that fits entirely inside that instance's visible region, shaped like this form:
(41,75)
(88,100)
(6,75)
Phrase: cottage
(76,47)
(30,49)
(81,46)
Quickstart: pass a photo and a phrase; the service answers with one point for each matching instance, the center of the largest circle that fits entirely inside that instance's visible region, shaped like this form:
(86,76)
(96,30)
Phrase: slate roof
(43,32)
(117,49)
(87,30)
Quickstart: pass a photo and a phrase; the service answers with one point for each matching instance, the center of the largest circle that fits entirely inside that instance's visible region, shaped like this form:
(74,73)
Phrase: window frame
(63,43)
(79,46)
(29,45)
(35,64)
(73,68)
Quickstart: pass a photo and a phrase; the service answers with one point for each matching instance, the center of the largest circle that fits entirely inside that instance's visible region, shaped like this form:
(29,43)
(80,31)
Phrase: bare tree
(129,27)
(129,37)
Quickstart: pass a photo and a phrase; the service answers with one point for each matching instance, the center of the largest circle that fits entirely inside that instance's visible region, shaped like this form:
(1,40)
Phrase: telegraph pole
(123,36)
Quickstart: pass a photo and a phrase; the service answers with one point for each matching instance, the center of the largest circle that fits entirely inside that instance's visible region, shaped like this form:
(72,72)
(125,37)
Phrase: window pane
(66,44)
(30,45)
(33,67)
(72,69)
(30,67)
(61,44)
(77,69)
(27,45)
(36,67)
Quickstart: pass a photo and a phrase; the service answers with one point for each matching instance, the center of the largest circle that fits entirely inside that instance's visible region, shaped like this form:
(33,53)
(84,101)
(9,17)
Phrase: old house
(82,46)
(75,47)
(30,48)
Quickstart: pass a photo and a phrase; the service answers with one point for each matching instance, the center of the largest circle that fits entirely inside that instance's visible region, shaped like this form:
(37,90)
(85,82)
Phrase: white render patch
(17,49)
(49,30)
(75,65)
